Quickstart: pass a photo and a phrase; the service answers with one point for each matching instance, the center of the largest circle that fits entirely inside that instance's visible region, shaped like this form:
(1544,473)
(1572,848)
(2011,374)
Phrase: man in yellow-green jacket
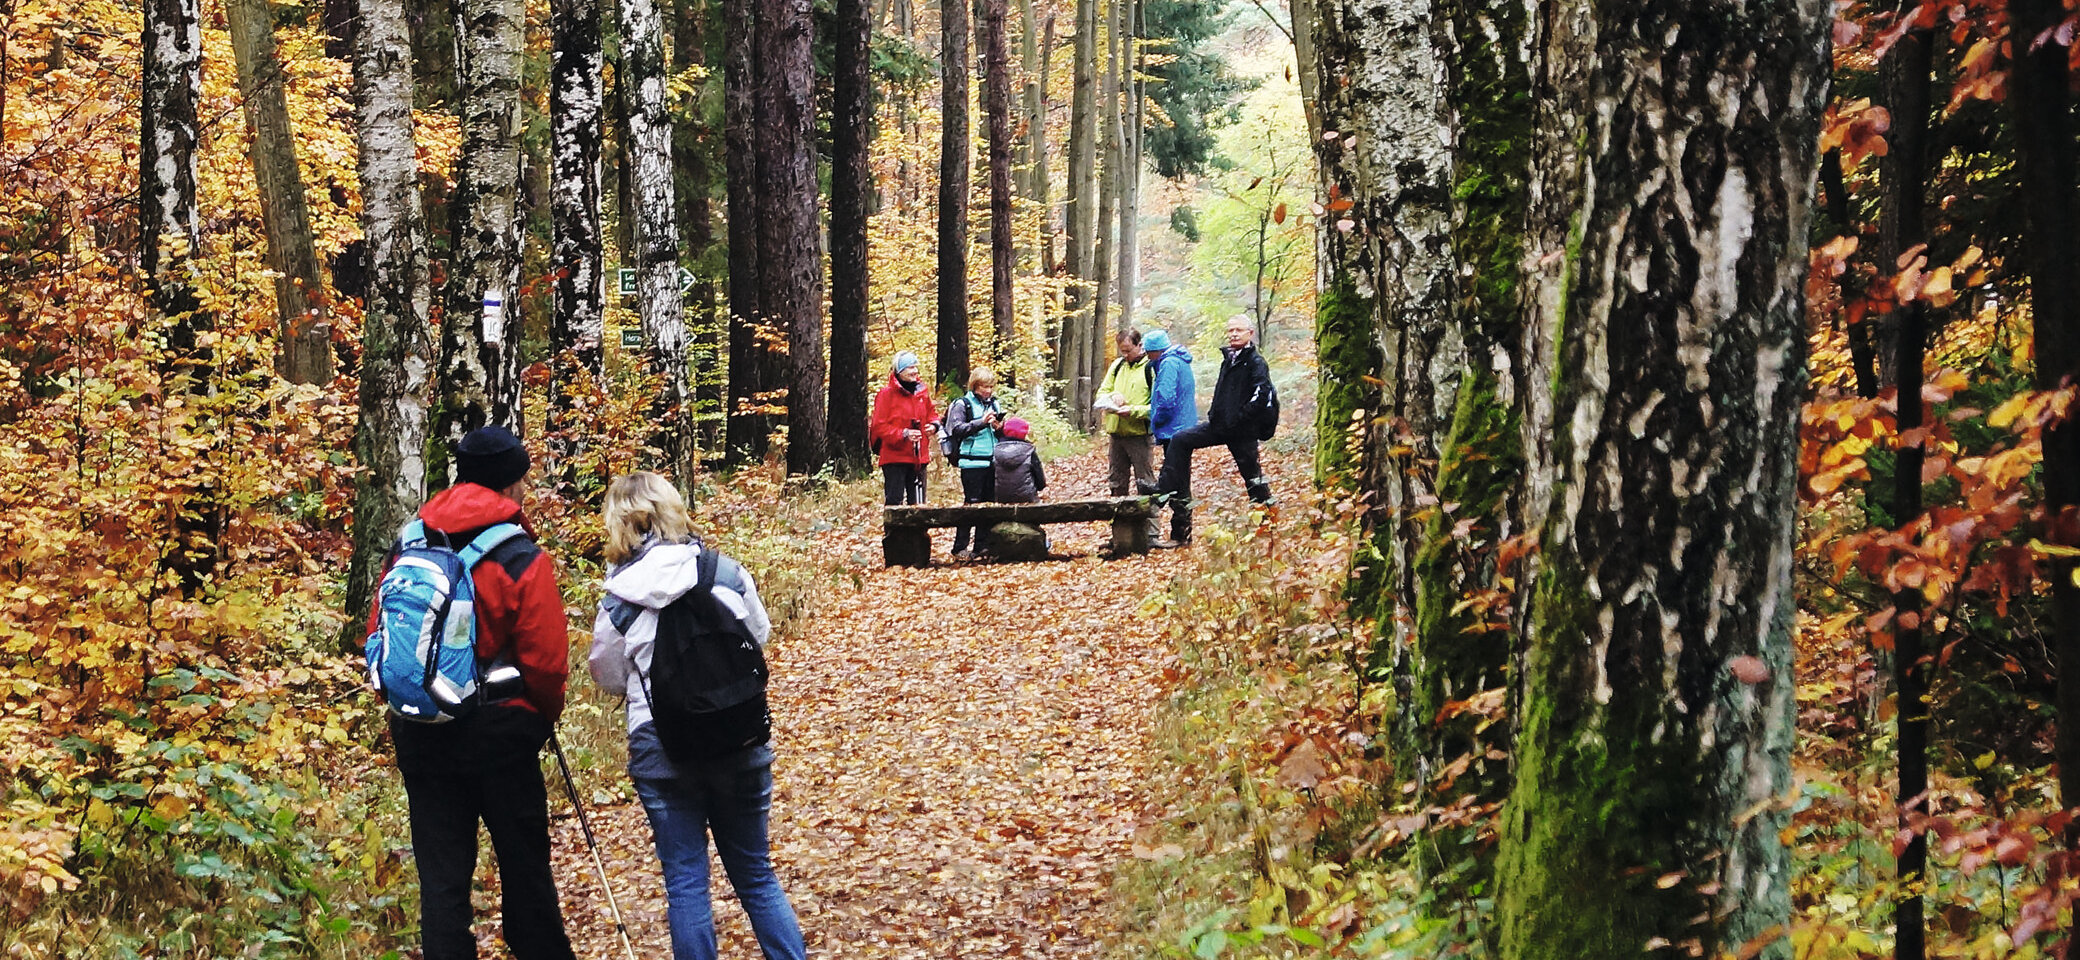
(1124,399)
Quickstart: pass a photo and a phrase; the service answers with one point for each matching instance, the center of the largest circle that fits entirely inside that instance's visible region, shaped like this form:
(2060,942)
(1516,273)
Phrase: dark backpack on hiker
(1264,412)
(947,444)
(423,654)
(707,679)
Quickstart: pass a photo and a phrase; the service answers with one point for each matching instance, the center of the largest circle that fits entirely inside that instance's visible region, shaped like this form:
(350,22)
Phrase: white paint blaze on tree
(1652,763)
(480,344)
(397,354)
(656,254)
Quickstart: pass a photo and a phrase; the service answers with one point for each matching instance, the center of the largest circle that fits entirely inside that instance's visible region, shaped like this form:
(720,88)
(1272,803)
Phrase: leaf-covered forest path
(961,757)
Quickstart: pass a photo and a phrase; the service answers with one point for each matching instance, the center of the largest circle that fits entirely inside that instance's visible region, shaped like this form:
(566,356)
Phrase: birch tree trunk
(578,323)
(656,253)
(1129,159)
(1390,357)
(851,189)
(480,335)
(1459,652)
(1676,157)
(751,374)
(304,353)
(396,352)
(790,251)
(170,237)
(996,93)
(955,64)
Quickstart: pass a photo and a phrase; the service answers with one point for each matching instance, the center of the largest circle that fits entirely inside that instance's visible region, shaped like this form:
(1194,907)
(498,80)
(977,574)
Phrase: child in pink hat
(1019,475)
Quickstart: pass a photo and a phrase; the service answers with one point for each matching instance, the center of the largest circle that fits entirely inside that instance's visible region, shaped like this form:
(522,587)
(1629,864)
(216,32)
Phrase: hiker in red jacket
(485,765)
(902,415)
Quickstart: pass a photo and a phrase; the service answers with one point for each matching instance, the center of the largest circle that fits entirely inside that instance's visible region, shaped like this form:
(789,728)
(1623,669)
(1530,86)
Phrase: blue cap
(1156,342)
(905,361)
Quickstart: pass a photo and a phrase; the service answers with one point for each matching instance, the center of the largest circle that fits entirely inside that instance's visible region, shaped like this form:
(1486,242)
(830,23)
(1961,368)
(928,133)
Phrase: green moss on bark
(1350,360)
(1595,825)
(1459,652)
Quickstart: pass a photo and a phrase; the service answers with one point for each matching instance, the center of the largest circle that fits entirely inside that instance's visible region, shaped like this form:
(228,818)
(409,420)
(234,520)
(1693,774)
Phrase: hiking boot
(1260,492)
(1148,488)
(1171,544)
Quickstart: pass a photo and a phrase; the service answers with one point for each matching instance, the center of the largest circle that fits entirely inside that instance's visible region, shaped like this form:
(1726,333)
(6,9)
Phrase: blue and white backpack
(423,654)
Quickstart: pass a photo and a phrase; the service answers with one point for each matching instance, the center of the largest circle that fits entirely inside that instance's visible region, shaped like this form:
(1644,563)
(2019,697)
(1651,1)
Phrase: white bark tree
(397,364)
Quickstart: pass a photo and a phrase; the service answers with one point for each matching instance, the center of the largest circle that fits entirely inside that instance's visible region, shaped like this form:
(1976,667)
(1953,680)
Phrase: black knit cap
(490,457)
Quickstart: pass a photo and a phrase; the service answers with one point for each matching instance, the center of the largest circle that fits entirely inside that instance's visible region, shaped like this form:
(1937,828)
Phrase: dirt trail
(961,761)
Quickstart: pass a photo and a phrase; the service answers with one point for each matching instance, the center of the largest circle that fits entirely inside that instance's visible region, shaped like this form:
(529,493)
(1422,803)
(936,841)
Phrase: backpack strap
(412,534)
(707,566)
(488,541)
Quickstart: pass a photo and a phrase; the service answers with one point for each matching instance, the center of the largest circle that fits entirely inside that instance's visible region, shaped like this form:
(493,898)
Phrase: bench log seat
(906,531)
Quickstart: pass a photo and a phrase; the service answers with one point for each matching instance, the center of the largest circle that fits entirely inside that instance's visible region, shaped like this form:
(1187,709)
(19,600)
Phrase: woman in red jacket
(902,414)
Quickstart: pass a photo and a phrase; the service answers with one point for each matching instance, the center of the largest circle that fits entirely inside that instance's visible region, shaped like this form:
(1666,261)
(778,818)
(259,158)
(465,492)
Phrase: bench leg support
(906,547)
(1129,535)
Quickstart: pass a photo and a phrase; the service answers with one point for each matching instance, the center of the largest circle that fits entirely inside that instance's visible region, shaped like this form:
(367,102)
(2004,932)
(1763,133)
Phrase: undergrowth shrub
(1278,835)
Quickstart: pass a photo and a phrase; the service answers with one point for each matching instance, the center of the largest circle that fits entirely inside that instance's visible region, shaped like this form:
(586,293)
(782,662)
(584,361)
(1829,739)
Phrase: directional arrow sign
(685,279)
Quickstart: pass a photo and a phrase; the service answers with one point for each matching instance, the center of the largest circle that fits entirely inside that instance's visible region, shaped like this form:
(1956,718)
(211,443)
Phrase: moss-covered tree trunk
(1461,647)
(1652,760)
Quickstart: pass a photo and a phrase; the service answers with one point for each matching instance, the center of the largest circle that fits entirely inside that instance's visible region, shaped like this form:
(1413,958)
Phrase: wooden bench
(906,531)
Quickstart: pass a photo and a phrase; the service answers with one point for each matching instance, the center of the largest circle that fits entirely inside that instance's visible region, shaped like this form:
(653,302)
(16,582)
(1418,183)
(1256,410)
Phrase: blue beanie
(905,361)
(1156,342)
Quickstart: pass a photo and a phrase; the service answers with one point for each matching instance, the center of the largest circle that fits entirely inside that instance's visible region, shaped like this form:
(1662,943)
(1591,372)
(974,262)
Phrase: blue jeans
(732,805)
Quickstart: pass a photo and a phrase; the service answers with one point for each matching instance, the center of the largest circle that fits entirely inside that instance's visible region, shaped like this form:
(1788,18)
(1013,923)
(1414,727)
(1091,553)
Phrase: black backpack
(707,681)
(1264,409)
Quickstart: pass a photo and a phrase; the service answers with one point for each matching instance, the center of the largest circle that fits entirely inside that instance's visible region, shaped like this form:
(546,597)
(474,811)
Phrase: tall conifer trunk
(2040,95)
(1905,87)
(1675,161)
(996,87)
(751,374)
(790,250)
(1079,211)
(955,65)
(397,364)
(851,195)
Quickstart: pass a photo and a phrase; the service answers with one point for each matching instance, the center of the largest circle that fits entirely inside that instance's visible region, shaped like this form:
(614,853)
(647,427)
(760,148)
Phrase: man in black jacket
(1241,398)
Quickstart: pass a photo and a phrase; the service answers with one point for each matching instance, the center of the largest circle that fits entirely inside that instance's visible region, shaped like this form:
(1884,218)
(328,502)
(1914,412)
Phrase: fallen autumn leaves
(961,762)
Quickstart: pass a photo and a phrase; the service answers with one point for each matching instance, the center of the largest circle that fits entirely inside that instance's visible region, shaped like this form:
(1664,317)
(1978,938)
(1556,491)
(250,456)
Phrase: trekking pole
(570,786)
(917,450)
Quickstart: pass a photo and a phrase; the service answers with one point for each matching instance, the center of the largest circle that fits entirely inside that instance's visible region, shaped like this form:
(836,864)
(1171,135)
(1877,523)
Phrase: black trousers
(485,767)
(1176,477)
(978,485)
(902,483)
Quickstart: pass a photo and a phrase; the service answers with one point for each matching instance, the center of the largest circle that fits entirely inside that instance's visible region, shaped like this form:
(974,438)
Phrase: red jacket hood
(469,506)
